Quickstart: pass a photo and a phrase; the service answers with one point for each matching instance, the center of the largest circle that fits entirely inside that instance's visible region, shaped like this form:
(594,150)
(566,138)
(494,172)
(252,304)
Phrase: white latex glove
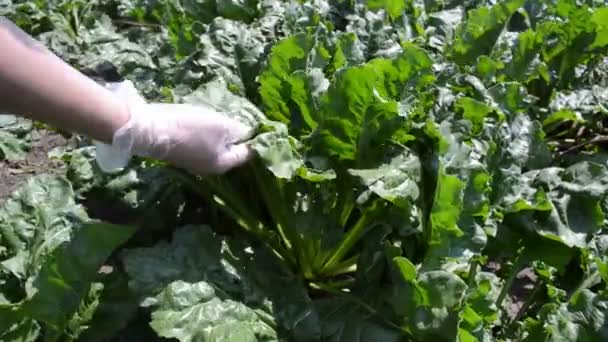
(195,138)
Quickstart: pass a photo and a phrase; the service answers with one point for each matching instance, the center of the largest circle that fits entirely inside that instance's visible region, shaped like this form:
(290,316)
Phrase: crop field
(425,170)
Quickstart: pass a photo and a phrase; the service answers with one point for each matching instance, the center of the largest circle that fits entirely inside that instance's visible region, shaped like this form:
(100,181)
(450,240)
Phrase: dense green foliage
(414,157)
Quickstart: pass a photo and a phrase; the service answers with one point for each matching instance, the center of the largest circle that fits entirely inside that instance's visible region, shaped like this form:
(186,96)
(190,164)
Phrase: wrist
(116,148)
(122,115)
(118,115)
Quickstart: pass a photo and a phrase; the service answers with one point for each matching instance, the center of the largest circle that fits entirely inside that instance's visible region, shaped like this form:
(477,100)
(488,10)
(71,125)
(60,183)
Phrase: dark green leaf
(478,34)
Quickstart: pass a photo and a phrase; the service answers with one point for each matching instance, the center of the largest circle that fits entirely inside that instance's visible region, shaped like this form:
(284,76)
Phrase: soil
(13,174)
(521,288)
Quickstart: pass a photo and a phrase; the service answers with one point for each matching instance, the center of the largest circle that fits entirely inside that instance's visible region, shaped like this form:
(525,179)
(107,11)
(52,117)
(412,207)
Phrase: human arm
(37,84)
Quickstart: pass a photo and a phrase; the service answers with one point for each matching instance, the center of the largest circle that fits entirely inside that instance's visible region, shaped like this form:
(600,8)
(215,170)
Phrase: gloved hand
(195,138)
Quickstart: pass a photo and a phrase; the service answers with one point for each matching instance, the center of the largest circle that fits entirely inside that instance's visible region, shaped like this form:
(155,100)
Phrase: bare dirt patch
(13,174)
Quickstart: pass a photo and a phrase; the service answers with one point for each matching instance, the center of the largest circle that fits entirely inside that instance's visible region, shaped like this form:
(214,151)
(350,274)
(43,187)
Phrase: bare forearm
(37,84)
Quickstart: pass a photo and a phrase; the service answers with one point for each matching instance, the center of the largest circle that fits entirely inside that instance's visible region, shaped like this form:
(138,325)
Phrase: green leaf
(216,95)
(396,182)
(446,211)
(82,316)
(561,204)
(116,306)
(37,219)
(406,268)
(444,23)
(189,312)
(480,313)
(217,274)
(26,330)
(600,18)
(344,321)
(244,10)
(584,102)
(279,153)
(348,51)
(293,81)
(66,276)
(478,34)
(394,8)
(14,137)
(560,117)
(360,112)
(522,144)
(474,111)
(230,50)
(525,63)
(566,44)
(429,304)
(583,318)
(12,148)
(105,46)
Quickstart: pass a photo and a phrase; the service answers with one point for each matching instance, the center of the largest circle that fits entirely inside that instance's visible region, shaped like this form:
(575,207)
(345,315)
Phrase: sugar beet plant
(416,159)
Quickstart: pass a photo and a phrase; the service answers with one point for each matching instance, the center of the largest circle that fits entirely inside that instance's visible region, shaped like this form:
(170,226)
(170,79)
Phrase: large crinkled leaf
(377,34)
(567,43)
(524,62)
(600,18)
(474,111)
(51,257)
(279,153)
(115,307)
(510,98)
(12,148)
(105,47)
(201,9)
(443,25)
(293,80)
(344,321)
(597,259)
(520,146)
(37,218)
(583,102)
(360,112)
(26,330)
(394,8)
(460,215)
(525,144)
(298,17)
(245,283)
(427,301)
(65,278)
(231,50)
(15,124)
(480,313)
(243,10)
(197,312)
(461,201)
(151,269)
(583,318)
(447,206)
(348,51)
(560,204)
(13,137)
(478,34)
(396,181)
(215,94)
(272,142)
